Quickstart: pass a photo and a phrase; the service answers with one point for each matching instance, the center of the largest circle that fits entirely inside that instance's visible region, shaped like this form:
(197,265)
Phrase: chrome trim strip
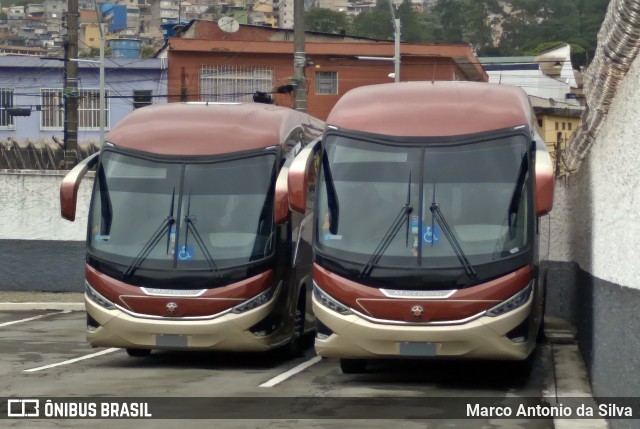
(418,294)
(403,323)
(196,318)
(303,223)
(173,292)
(171,319)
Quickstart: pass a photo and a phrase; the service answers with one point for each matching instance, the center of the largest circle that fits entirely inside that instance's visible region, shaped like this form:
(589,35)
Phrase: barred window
(52,115)
(6,102)
(89,109)
(326,82)
(234,83)
(52,109)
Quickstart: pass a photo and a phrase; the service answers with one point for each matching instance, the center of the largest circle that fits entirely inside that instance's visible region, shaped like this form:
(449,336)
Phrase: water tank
(125,48)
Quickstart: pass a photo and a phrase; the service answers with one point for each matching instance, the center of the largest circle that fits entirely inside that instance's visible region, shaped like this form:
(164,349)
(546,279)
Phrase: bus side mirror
(281,203)
(70,185)
(545,182)
(298,179)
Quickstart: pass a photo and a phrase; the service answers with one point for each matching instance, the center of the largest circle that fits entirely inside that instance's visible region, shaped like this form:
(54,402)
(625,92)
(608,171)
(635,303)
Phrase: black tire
(353,366)
(138,352)
(295,347)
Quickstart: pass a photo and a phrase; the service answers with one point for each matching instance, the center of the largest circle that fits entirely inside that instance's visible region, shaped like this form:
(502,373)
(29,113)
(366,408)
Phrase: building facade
(558,121)
(554,89)
(36,86)
(206,64)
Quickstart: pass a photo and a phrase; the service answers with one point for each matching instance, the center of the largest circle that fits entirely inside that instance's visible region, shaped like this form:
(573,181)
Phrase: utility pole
(299,57)
(396,40)
(70,92)
(103,118)
(184,96)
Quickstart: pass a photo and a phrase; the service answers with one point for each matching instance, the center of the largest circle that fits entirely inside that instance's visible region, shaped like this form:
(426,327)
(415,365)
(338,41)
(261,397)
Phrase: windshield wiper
(106,215)
(190,223)
(388,237)
(514,204)
(332,196)
(164,228)
(437,214)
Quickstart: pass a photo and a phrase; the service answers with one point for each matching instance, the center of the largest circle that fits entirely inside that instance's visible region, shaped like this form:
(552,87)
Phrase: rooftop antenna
(228,24)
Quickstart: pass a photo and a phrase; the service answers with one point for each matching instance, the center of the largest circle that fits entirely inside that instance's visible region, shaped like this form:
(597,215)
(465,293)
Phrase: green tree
(412,24)
(449,16)
(533,22)
(375,23)
(327,21)
(480,19)
(520,27)
(578,53)
(94,53)
(147,51)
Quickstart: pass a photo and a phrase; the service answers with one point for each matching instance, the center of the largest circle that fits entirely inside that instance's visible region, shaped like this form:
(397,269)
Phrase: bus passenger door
(302,180)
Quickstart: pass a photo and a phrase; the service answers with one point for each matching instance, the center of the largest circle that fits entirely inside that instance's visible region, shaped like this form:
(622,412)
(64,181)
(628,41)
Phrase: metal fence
(41,155)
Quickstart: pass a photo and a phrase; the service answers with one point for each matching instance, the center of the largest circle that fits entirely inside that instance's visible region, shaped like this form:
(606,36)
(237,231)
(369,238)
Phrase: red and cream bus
(426,223)
(191,243)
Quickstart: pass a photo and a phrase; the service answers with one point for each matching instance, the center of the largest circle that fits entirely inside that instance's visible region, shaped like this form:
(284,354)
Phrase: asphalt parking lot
(44,354)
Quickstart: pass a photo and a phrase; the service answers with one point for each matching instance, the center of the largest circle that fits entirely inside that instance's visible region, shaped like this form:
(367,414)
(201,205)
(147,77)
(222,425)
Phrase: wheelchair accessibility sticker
(185,253)
(431,236)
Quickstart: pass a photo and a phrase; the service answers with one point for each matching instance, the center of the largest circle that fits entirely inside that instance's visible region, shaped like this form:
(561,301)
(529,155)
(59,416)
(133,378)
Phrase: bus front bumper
(483,338)
(227,332)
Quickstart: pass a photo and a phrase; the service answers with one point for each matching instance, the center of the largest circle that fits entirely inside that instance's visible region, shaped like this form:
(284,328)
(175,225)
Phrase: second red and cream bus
(426,224)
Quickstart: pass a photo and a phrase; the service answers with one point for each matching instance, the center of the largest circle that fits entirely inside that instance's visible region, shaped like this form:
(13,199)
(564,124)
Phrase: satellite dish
(228,24)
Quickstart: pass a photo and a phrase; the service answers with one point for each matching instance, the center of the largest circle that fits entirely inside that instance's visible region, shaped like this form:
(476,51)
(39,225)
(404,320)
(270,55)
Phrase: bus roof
(434,109)
(185,129)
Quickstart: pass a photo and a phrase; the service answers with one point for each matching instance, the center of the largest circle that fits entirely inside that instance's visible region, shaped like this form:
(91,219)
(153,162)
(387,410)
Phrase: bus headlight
(257,300)
(97,298)
(328,301)
(517,300)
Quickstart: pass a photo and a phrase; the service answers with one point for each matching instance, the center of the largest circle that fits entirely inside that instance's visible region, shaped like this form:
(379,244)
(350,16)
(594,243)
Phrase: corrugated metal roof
(510,60)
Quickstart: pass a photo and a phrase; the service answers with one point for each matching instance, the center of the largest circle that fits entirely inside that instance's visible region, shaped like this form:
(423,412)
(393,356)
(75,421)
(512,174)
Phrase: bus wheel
(138,352)
(294,347)
(353,366)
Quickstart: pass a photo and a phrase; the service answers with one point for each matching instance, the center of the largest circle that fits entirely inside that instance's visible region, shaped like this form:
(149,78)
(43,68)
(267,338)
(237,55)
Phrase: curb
(26,306)
(570,379)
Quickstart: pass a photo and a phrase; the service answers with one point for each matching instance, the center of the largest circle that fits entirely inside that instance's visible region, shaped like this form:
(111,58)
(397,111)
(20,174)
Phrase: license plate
(171,340)
(418,349)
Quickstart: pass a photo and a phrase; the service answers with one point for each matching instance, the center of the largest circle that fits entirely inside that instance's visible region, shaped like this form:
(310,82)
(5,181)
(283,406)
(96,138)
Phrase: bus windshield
(153,214)
(452,205)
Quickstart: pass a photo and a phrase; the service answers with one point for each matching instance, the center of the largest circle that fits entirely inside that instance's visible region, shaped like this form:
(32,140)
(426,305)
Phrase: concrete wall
(594,272)
(41,251)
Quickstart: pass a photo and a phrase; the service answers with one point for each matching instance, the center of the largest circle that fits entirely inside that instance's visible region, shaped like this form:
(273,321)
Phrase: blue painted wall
(28,75)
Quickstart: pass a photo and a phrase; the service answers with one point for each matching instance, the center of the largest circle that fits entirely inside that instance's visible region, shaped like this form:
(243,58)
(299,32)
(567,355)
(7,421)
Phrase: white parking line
(13,322)
(70,361)
(293,371)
